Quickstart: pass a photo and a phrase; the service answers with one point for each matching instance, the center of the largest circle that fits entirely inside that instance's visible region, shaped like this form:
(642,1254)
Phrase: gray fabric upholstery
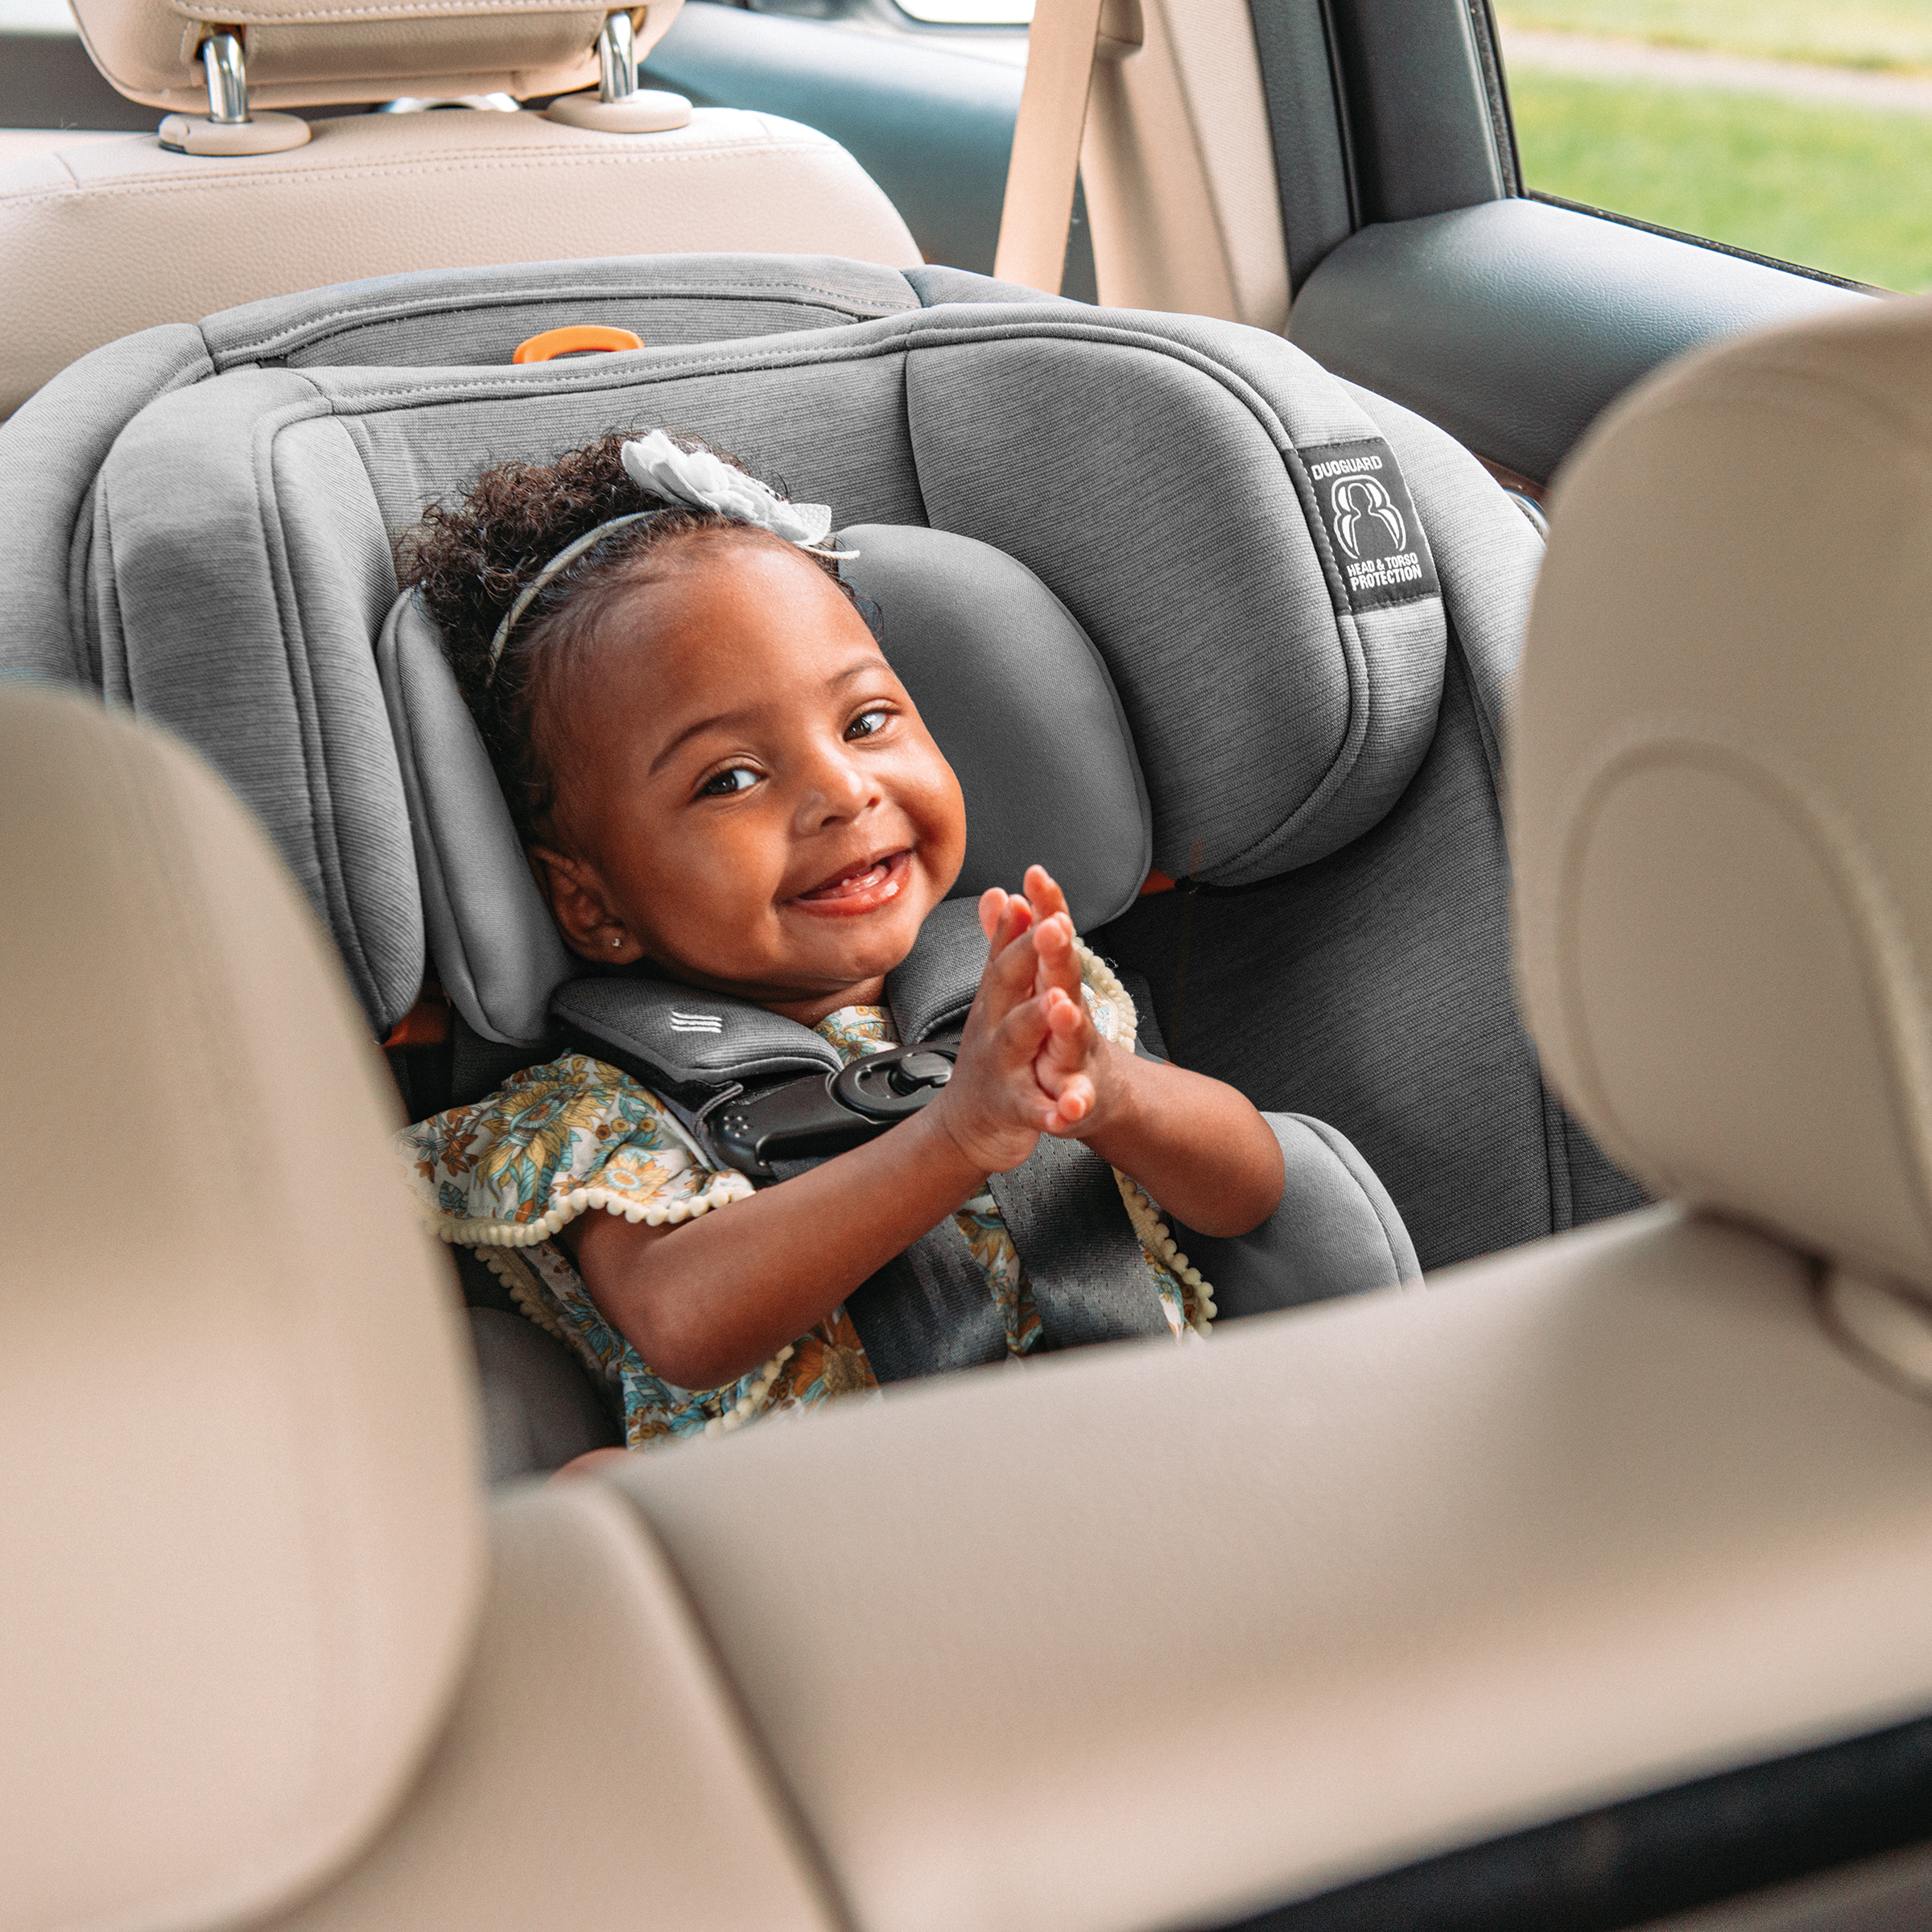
(650,1020)
(497,950)
(539,1408)
(1020,701)
(449,316)
(1373,991)
(54,445)
(236,593)
(1336,1231)
(1178,541)
(931,990)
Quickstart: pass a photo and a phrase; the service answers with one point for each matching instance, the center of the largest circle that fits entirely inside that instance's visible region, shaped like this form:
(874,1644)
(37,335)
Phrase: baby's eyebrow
(859,668)
(691,731)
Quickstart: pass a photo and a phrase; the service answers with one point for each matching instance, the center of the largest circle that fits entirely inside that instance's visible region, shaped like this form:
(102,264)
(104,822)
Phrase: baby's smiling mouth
(863,886)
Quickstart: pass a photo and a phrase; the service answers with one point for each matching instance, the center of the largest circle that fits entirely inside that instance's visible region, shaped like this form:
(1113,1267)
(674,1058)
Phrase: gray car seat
(1305,599)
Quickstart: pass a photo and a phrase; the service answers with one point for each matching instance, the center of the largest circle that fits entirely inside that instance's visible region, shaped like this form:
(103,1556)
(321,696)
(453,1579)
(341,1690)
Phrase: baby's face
(747,795)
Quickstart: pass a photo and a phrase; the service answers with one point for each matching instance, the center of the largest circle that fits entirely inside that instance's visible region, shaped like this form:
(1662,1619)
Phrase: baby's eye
(866,723)
(722,784)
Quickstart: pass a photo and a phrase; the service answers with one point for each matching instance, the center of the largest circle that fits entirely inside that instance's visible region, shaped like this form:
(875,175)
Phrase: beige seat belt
(1045,160)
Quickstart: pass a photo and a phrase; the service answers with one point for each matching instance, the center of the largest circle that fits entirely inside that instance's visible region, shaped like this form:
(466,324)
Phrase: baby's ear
(578,905)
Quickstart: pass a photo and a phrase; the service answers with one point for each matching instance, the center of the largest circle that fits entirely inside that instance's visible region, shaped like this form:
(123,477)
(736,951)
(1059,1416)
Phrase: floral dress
(576,1135)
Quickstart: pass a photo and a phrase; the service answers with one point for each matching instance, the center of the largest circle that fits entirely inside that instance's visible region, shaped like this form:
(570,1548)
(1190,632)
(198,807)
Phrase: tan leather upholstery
(1140,1638)
(241,1518)
(596,1771)
(1721,798)
(1178,167)
(113,236)
(309,53)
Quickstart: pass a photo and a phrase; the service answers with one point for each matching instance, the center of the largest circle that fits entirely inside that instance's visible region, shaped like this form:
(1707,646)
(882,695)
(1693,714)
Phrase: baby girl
(719,781)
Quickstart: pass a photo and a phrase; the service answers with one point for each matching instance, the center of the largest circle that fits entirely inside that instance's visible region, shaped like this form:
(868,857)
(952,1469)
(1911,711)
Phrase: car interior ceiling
(1359,971)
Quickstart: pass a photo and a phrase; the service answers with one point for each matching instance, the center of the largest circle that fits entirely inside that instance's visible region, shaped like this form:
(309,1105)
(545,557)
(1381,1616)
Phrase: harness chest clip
(811,1118)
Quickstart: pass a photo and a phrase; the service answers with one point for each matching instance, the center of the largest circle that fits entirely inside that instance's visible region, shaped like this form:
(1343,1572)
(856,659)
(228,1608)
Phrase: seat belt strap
(1045,163)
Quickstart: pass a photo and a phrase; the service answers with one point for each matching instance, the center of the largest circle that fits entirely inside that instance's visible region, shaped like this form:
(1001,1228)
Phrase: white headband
(699,480)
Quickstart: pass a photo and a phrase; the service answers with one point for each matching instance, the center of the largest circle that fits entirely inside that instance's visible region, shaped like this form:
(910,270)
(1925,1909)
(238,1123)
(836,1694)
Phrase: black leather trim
(1314,166)
(1419,107)
(1629,1864)
(1513,325)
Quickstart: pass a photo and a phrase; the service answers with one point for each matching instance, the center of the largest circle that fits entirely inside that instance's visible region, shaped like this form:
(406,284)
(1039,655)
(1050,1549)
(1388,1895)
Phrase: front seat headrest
(1721,786)
(242,1514)
(301,55)
(1010,687)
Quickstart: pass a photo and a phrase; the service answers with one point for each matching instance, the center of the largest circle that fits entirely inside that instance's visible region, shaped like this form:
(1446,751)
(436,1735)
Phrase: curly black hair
(469,564)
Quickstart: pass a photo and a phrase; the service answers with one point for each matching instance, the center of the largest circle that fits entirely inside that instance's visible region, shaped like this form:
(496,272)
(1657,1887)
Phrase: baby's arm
(1199,1147)
(708,1300)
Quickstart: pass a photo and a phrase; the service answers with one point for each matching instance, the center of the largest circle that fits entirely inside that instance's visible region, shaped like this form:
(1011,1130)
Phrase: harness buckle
(818,1116)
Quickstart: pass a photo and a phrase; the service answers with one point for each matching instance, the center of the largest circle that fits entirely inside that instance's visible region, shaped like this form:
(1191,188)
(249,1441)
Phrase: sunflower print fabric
(576,1135)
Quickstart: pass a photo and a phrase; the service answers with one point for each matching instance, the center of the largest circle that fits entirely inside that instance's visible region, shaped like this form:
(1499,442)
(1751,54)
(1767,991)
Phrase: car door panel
(1513,324)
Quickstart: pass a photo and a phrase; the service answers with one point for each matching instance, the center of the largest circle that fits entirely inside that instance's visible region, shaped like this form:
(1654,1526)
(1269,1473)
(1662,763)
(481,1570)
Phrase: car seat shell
(1152,471)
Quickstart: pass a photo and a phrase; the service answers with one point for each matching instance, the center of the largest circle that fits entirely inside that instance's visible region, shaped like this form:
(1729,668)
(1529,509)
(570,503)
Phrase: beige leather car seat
(257,1614)
(1129,1638)
(100,238)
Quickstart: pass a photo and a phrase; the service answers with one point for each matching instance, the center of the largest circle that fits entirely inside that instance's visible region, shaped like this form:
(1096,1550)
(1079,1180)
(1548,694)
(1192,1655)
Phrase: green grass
(1845,33)
(1832,187)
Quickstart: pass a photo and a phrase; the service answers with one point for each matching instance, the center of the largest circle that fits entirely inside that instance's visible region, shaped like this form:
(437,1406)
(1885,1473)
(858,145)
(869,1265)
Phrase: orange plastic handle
(574,340)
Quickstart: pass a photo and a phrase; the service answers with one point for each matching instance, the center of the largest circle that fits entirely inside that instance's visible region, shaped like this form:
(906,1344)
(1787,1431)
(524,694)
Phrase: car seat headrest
(299,55)
(1011,688)
(1253,547)
(242,1570)
(1721,786)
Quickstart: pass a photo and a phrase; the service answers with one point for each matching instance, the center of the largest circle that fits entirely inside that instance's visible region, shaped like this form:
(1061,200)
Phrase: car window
(970,13)
(1797,128)
(35,17)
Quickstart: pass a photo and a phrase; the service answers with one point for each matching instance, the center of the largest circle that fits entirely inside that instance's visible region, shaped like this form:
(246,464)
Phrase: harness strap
(931,988)
(926,1311)
(1090,1282)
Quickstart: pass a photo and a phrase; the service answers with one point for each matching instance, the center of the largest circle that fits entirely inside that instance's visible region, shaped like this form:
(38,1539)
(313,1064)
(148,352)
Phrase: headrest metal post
(230,129)
(616,59)
(226,66)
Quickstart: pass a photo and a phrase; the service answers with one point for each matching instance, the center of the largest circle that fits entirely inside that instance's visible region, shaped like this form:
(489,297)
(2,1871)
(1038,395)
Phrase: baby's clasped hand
(1031,1060)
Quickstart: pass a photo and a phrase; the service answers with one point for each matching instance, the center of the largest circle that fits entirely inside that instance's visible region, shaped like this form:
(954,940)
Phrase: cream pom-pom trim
(1155,1234)
(515,1273)
(486,1232)
(1106,983)
(753,1400)
(1156,1237)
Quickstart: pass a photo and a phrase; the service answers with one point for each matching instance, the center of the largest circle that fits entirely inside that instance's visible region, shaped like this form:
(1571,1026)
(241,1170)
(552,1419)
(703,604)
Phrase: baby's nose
(839,788)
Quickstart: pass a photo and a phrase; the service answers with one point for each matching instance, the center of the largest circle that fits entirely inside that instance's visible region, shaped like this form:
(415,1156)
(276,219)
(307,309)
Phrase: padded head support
(1226,523)
(1722,785)
(242,1514)
(1010,687)
(300,54)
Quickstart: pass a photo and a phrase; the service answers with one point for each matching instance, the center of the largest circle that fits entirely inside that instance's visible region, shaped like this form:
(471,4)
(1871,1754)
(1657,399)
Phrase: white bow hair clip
(699,480)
